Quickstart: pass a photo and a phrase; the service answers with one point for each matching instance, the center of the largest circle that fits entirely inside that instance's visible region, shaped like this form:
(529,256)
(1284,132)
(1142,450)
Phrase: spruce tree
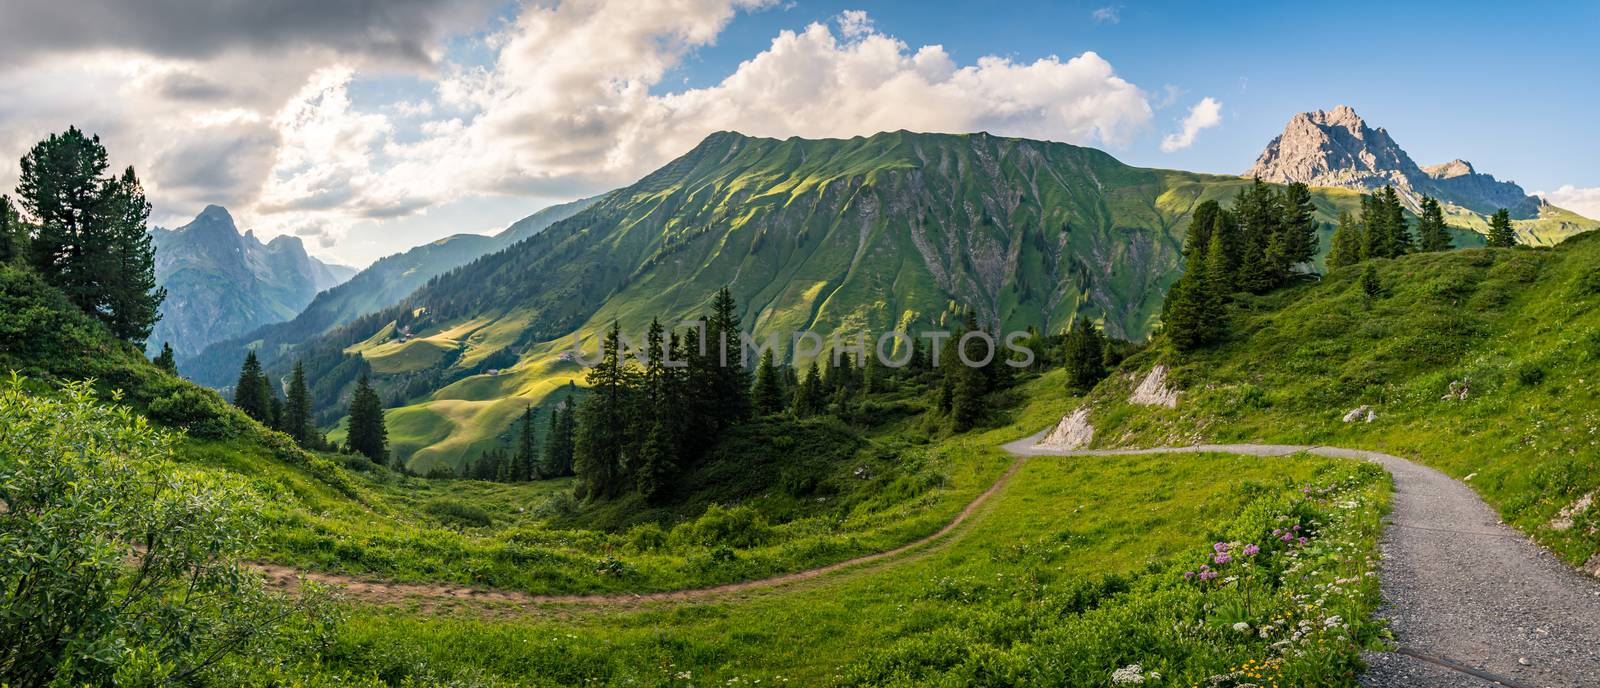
(13,233)
(768,392)
(131,298)
(1374,233)
(730,380)
(61,187)
(1346,245)
(1399,234)
(1501,233)
(166,360)
(1296,240)
(1085,357)
(1198,240)
(656,463)
(810,398)
(297,409)
(367,435)
(1431,231)
(602,423)
(251,393)
(558,441)
(527,448)
(966,404)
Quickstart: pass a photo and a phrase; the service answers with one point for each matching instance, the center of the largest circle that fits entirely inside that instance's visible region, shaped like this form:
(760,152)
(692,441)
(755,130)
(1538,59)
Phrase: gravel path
(1472,602)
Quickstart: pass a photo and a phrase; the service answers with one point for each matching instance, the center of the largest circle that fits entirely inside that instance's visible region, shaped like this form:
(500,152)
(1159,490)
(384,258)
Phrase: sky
(366,127)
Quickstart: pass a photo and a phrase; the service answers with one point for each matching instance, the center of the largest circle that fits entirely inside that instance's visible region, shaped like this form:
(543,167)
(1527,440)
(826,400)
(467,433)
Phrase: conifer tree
(527,447)
(1296,240)
(1346,245)
(656,463)
(730,381)
(768,391)
(602,431)
(1198,239)
(558,441)
(1399,234)
(1085,357)
(810,398)
(251,393)
(13,233)
(297,421)
(1374,234)
(1371,287)
(1431,232)
(1257,213)
(1501,233)
(166,360)
(367,435)
(131,297)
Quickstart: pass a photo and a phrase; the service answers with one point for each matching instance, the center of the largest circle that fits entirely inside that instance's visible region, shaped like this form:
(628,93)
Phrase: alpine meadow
(738,343)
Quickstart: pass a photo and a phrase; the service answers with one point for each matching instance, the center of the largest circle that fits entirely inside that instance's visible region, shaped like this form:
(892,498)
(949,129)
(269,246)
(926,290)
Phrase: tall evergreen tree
(166,360)
(1431,231)
(368,436)
(1085,357)
(131,298)
(527,447)
(297,409)
(1501,233)
(730,380)
(61,187)
(1346,246)
(1258,214)
(558,441)
(252,393)
(1399,234)
(810,398)
(1198,240)
(602,429)
(768,391)
(1296,240)
(13,233)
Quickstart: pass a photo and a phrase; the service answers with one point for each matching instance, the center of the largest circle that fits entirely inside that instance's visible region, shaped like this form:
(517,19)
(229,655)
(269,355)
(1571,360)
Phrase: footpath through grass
(1078,573)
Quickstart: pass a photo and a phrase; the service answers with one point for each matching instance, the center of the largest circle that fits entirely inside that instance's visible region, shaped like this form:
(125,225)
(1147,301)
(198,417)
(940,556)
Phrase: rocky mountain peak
(1338,148)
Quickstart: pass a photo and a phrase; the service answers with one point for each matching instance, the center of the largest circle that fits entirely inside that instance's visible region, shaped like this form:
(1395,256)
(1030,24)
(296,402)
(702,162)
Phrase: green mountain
(380,285)
(221,283)
(864,235)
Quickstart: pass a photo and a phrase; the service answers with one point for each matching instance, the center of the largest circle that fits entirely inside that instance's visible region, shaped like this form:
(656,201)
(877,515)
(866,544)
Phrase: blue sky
(366,134)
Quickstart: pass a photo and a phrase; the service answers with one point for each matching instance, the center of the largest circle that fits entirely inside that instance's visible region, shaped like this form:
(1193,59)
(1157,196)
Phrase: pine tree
(1224,256)
(132,298)
(1399,234)
(558,441)
(251,393)
(810,398)
(367,435)
(1346,245)
(966,403)
(602,422)
(1371,287)
(527,448)
(1085,357)
(166,360)
(13,233)
(1198,239)
(1296,240)
(1431,230)
(297,409)
(1374,232)
(730,380)
(768,391)
(656,463)
(1501,233)
(61,187)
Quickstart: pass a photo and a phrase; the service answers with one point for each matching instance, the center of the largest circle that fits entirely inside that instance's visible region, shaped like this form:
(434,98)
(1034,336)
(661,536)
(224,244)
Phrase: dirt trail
(433,596)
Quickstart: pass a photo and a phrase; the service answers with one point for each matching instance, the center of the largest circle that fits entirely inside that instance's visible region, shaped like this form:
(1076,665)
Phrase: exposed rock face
(1337,148)
(221,283)
(1362,414)
(1153,390)
(1073,432)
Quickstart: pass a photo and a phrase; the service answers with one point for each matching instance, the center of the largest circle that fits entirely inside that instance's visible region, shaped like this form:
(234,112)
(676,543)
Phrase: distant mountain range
(221,283)
(379,286)
(1336,148)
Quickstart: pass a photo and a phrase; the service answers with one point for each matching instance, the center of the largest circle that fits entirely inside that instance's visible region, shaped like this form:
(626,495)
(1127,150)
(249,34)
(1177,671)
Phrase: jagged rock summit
(1337,148)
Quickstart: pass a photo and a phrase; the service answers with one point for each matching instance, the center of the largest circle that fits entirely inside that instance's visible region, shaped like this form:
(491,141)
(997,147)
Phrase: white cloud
(1581,200)
(1107,15)
(1205,114)
(571,104)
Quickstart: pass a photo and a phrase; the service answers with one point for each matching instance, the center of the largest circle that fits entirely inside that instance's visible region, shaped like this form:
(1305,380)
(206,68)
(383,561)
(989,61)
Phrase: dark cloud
(189,87)
(223,165)
(403,30)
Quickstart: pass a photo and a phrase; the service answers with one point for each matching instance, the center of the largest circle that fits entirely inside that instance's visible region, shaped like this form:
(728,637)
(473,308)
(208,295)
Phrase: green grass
(1519,326)
(1058,583)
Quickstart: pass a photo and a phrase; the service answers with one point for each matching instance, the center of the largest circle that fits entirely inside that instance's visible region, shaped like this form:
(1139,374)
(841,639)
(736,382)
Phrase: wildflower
(1242,627)
(1251,550)
(1188,574)
(1222,558)
(1220,547)
(1133,673)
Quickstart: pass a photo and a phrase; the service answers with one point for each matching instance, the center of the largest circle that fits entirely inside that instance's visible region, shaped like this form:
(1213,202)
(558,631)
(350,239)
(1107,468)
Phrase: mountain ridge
(221,282)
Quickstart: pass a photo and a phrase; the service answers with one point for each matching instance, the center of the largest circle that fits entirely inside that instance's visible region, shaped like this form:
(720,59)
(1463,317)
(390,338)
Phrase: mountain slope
(220,283)
(855,236)
(379,286)
(1337,148)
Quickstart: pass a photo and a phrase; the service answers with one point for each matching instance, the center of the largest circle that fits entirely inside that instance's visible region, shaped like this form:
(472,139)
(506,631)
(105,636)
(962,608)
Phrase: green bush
(740,526)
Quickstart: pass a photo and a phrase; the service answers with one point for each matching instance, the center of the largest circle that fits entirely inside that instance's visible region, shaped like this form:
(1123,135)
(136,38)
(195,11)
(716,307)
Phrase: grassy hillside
(1480,362)
(849,236)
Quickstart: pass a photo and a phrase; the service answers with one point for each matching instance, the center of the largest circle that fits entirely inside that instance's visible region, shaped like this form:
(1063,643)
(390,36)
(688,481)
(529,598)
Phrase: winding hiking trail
(1471,601)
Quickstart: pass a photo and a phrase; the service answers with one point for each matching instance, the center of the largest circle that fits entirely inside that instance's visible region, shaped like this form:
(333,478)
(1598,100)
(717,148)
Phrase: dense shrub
(452,512)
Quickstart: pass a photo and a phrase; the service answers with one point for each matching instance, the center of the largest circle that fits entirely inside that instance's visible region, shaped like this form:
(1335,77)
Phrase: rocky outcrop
(1337,148)
(1565,518)
(1073,432)
(1153,390)
(1361,414)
